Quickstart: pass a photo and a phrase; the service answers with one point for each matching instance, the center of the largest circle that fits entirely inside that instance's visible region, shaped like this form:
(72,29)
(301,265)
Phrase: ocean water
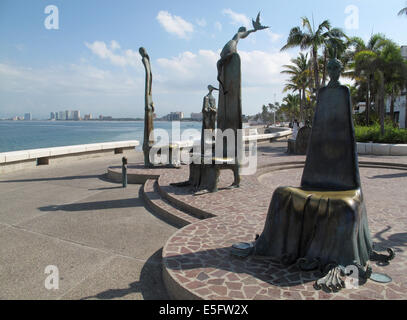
(23,135)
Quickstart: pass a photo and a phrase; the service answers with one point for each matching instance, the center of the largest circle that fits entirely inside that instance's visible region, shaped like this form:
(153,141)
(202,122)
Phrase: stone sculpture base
(322,228)
(206,175)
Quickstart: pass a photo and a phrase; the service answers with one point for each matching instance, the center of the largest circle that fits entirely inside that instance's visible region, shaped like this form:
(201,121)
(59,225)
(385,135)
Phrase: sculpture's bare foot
(332,281)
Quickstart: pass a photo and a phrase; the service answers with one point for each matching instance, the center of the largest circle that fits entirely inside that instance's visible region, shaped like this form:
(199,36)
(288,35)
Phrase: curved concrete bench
(16,160)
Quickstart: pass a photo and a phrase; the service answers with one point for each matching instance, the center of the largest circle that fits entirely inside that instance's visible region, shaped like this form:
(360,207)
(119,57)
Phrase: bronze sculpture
(323,224)
(149,109)
(230,96)
(201,174)
(208,118)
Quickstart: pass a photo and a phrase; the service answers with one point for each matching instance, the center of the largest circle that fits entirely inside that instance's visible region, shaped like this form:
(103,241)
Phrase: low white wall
(246,138)
(382,149)
(17,160)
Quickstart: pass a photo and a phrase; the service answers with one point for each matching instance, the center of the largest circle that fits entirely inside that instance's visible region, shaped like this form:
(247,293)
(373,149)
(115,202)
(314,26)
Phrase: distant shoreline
(100,120)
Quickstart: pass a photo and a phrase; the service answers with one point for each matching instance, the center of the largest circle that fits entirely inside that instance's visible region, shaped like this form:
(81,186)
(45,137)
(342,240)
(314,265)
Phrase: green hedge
(391,135)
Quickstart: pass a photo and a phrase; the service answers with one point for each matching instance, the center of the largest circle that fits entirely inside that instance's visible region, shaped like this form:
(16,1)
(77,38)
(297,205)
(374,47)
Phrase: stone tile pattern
(198,258)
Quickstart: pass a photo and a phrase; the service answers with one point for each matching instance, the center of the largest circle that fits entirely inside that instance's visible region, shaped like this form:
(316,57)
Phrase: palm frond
(403,11)
(306,24)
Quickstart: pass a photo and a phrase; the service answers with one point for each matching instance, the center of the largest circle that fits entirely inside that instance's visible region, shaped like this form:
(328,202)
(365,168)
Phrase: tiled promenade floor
(197,258)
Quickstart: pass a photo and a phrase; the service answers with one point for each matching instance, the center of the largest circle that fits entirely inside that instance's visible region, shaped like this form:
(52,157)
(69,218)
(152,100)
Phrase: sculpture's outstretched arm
(243,35)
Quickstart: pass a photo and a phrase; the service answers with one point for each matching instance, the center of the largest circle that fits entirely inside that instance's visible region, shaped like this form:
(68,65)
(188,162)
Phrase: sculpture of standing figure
(230,95)
(209,116)
(149,108)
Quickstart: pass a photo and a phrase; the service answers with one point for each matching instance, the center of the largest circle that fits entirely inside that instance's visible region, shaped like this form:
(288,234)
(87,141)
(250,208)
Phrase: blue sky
(91,62)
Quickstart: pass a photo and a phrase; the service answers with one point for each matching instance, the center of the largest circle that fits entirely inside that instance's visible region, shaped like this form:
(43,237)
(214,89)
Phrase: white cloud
(175,24)
(237,18)
(218,26)
(179,82)
(274,37)
(114,45)
(65,80)
(127,58)
(191,73)
(201,22)
(79,86)
(261,69)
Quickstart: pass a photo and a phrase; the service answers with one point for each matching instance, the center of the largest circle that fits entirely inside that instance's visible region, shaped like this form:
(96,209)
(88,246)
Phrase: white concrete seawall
(382,149)
(17,160)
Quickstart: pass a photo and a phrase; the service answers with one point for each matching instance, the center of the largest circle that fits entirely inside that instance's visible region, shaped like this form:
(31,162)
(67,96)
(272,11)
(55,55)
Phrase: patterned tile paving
(198,258)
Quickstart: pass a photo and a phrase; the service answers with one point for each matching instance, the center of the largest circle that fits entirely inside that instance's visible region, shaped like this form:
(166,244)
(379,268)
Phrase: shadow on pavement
(150,285)
(102,177)
(97,205)
(394,241)
(389,176)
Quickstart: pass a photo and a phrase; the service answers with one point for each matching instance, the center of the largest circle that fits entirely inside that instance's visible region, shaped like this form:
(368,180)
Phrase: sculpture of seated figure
(323,224)
(205,173)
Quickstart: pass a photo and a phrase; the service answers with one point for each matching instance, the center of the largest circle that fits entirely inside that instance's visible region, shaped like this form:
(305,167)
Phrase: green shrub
(372,134)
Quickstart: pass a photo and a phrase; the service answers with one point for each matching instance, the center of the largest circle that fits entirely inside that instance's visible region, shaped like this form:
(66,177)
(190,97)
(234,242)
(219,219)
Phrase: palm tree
(403,11)
(362,60)
(309,38)
(335,47)
(365,66)
(394,72)
(291,105)
(385,69)
(299,80)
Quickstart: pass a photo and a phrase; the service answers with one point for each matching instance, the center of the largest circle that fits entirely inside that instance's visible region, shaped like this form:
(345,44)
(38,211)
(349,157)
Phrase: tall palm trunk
(316,69)
(325,64)
(368,102)
(304,103)
(380,101)
(301,106)
(392,98)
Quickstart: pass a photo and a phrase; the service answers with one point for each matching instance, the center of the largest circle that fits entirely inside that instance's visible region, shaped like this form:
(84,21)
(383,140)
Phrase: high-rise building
(175,116)
(76,115)
(27,116)
(61,115)
(52,116)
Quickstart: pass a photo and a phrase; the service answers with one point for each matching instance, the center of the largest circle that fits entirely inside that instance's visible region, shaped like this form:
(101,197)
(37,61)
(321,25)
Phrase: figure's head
(242,29)
(143,52)
(334,69)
